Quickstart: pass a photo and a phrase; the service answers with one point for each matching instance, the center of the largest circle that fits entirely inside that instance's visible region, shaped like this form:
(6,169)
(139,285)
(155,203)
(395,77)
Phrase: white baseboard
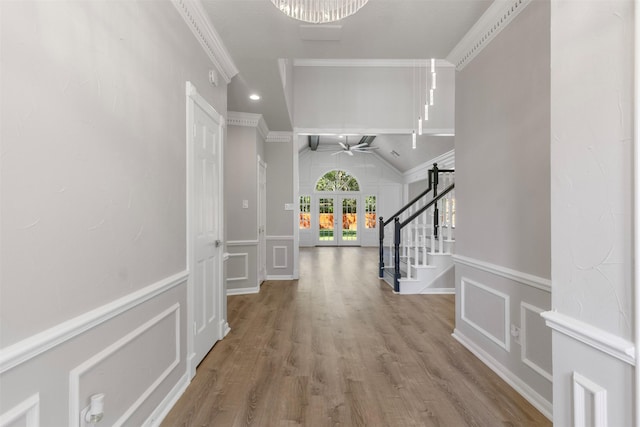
(244,291)
(532,396)
(167,403)
(283,277)
(438,291)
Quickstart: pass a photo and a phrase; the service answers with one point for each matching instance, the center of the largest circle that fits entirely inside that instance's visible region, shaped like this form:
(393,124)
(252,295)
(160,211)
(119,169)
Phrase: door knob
(218,243)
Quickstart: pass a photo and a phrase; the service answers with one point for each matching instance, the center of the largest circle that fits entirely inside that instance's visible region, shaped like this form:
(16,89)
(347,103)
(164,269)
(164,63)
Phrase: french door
(338,218)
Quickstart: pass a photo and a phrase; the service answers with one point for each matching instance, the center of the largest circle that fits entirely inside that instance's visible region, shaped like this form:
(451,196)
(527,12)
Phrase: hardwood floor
(339,348)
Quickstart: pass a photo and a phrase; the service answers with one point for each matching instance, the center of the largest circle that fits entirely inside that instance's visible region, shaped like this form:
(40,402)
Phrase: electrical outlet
(515,333)
(245,204)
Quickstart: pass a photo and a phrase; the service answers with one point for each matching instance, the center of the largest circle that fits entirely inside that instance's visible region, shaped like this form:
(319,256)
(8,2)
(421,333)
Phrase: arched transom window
(337,180)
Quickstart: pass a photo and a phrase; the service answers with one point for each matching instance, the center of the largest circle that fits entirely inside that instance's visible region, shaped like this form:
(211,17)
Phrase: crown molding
(197,20)
(235,118)
(276,136)
(495,19)
(406,63)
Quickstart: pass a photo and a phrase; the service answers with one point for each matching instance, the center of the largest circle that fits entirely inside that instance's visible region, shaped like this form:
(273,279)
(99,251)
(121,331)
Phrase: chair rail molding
(35,345)
(604,341)
(508,273)
(495,19)
(196,19)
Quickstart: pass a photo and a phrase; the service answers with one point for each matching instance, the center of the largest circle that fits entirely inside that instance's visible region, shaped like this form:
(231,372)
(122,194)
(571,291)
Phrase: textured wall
(591,162)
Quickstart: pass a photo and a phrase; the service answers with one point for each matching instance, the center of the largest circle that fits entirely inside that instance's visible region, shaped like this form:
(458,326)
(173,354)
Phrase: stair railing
(413,236)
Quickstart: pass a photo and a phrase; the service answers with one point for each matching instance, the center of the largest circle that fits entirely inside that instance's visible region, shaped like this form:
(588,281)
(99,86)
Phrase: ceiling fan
(362,147)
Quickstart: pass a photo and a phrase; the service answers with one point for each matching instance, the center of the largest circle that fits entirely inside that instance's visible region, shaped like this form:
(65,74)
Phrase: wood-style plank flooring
(339,348)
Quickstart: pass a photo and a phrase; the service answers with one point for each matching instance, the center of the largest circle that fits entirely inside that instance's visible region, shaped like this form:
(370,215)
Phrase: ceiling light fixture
(254,97)
(319,11)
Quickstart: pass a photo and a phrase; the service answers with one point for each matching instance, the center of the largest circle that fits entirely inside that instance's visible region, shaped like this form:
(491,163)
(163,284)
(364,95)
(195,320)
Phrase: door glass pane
(370,212)
(349,219)
(325,218)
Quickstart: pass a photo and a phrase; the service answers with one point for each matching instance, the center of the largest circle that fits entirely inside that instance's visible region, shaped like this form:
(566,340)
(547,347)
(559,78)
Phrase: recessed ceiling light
(341,136)
(254,97)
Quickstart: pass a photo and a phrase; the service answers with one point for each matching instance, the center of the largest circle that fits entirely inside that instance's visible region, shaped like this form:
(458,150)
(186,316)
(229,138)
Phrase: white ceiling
(257,34)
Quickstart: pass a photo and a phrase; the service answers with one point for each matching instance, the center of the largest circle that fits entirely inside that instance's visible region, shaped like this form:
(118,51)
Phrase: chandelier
(319,11)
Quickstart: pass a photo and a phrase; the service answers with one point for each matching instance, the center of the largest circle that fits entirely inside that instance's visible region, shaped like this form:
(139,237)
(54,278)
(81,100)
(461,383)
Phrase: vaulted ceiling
(257,34)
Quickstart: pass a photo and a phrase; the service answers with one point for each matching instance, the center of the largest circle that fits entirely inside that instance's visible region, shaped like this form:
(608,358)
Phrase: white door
(262,221)
(337,219)
(205,228)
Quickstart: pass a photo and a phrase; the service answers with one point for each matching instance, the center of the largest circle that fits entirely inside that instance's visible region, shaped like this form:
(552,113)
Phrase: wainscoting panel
(487,311)
(593,374)
(132,349)
(238,267)
(498,319)
(133,384)
(534,331)
(279,257)
(589,403)
(25,414)
(242,267)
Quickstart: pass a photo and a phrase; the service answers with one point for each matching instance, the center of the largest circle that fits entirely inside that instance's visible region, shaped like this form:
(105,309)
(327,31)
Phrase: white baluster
(431,223)
(425,215)
(441,236)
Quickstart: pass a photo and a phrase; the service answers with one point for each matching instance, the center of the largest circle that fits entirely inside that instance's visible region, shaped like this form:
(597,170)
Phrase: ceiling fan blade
(343,145)
(339,152)
(366,148)
(362,144)
(349,152)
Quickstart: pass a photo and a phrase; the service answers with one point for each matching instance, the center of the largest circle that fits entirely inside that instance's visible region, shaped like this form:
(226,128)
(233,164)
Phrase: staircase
(418,241)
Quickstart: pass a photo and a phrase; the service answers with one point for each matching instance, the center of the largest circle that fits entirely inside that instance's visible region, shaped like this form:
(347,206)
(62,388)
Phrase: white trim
(594,337)
(235,118)
(273,259)
(244,291)
(445,161)
(35,345)
(277,136)
(370,131)
(437,291)
(581,412)
(296,212)
(491,23)
(28,410)
(77,372)
(162,410)
(506,344)
(523,340)
(280,277)
(242,242)
(517,276)
(636,209)
(404,63)
(532,396)
(279,237)
(246,267)
(198,21)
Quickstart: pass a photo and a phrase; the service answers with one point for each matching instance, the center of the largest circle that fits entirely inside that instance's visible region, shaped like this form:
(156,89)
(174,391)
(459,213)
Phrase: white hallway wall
(93,216)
